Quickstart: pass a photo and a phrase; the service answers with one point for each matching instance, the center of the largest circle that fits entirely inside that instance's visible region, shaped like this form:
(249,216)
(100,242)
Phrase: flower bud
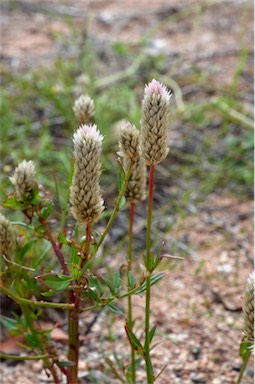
(84,108)
(6,235)
(248,309)
(154,122)
(24,180)
(85,197)
(129,142)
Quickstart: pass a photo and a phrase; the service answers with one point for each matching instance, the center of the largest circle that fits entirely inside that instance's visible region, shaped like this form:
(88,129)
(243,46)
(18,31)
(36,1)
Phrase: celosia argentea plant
(72,285)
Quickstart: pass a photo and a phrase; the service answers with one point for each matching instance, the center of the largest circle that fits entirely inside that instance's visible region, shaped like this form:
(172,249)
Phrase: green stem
(116,209)
(130,315)
(85,251)
(149,369)
(21,358)
(47,304)
(245,362)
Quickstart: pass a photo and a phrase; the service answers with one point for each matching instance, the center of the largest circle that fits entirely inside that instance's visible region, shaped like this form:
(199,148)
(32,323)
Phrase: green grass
(38,121)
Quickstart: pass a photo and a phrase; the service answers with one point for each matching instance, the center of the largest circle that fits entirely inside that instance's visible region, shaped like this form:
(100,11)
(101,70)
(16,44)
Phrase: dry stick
(130,261)
(149,369)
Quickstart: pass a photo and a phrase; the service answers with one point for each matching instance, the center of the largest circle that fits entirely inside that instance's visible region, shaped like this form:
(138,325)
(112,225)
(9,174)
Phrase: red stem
(55,246)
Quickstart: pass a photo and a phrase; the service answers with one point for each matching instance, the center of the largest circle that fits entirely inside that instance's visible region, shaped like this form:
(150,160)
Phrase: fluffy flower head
(85,196)
(129,142)
(6,235)
(84,108)
(154,122)
(24,180)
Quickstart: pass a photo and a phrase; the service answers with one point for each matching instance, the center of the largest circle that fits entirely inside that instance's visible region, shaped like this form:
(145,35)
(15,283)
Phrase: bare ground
(197,306)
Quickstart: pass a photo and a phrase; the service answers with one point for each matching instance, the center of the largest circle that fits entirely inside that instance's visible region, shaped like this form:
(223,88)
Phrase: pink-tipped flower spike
(24,180)
(154,122)
(6,235)
(85,196)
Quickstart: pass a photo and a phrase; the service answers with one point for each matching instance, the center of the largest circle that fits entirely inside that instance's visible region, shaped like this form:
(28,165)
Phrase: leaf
(26,247)
(245,349)
(154,279)
(113,308)
(58,283)
(9,323)
(122,202)
(13,203)
(46,249)
(121,175)
(84,268)
(135,343)
(109,285)
(116,281)
(75,262)
(63,239)
(131,280)
(46,211)
(49,293)
(93,282)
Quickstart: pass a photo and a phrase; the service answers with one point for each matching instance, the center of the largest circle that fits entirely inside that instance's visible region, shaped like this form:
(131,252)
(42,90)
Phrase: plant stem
(21,358)
(55,246)
(149,369)
(34,302)
(245,362)
(85,251)
(73,339)
(130,262)
(116,209)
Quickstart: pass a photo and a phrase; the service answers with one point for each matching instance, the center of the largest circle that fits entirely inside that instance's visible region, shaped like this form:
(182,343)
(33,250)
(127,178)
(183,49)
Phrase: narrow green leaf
(131,280)
(122,202)
(63,239)
(75,262)
(26,247)
(151,335)
(116,281)
(49,293)
(55,282)
(46,211)
(9,323)
(93,282)
(46,248)
(121,176)
(135,343)
(84,268)
(154,279)
(109,285)
(113,308)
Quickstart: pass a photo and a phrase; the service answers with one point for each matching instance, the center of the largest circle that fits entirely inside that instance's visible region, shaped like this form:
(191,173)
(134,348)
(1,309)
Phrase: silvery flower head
(6,235)
(84,109)
(85,196)
(136,186)
(24,180)
(129,142)
(154,122)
